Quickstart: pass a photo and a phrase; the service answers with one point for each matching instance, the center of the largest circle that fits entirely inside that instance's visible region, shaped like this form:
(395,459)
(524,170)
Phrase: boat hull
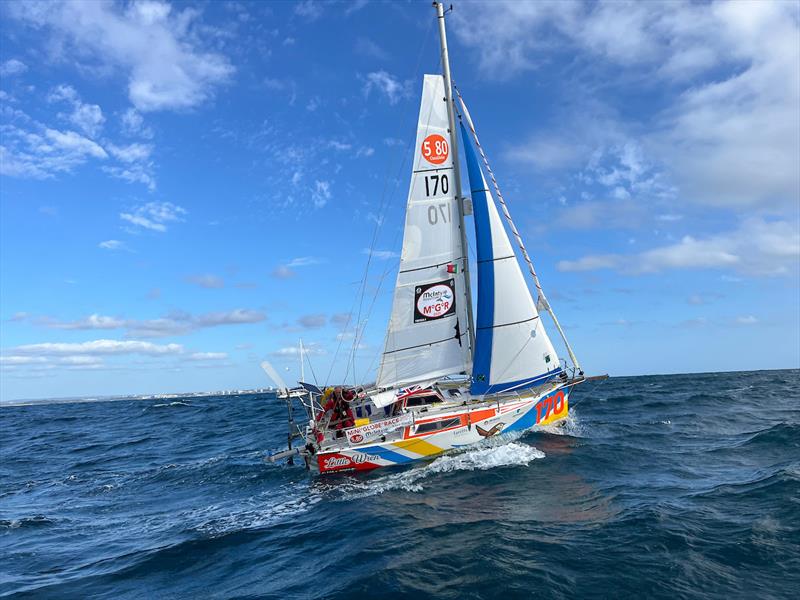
(464,428)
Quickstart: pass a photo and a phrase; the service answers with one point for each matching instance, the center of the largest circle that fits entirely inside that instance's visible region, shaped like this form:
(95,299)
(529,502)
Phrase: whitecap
(570,426)
(494,454)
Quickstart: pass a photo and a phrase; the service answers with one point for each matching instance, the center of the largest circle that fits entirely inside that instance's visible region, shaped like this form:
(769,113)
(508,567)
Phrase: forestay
(512,349)
(427,336)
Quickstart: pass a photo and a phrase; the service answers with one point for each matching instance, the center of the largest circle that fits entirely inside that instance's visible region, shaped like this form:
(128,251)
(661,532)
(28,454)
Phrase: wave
(167,404)
(777,484)
(780,435)
(254,513)
(26,522)
(571,426)
(499,453)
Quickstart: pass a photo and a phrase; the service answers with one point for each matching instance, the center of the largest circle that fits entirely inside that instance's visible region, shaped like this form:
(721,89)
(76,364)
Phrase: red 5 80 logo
(435,149)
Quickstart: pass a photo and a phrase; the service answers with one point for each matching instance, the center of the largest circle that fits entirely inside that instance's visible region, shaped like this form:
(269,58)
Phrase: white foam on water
(570,426)
(291,500)
(176,403)
(255,512)
(495,453)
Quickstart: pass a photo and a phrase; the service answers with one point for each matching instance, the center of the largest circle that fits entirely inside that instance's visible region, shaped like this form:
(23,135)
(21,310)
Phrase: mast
(302,362)
(448,93)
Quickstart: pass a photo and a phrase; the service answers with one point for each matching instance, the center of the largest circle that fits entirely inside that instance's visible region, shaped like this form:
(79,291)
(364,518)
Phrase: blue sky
(188,189)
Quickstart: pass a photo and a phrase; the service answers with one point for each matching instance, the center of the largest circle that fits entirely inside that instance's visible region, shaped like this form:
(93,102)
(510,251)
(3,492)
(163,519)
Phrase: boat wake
(492,454)
(570,426)
(256,512)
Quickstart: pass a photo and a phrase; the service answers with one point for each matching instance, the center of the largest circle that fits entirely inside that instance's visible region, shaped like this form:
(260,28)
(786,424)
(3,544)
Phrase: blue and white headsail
(512,349)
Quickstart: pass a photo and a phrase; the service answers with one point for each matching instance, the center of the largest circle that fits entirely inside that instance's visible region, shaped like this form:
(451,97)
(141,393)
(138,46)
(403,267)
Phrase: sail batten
(512,349)
(428,333)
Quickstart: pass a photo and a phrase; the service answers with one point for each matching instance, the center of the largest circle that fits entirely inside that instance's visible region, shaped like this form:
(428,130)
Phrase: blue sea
(680,486)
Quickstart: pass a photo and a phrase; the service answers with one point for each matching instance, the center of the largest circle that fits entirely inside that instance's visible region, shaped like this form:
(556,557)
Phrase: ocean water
(683,486)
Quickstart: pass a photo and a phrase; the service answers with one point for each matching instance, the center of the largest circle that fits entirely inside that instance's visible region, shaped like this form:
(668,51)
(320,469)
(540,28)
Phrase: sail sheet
(512,349)
(427,336)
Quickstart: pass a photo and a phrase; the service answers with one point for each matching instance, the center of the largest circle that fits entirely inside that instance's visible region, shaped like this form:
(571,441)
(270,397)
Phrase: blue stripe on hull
(386,454)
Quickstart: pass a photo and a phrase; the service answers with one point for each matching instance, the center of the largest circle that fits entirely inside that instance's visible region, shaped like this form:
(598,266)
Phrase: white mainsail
(428,333)
(512,348)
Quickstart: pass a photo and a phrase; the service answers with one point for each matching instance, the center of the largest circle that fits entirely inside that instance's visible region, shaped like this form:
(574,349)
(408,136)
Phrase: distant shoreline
(234,393)
(137,397)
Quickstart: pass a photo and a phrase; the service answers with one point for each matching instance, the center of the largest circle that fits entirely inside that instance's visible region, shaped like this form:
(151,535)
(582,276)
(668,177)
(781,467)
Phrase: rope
(313,374)
(378,224)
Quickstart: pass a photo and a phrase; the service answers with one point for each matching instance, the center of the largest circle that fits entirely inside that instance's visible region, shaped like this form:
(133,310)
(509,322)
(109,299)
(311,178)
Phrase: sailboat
(447,379)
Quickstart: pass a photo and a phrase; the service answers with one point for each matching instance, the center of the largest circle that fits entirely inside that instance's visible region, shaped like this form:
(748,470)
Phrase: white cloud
(180,323)
(620,214)
(35,150)
(133,124)
(342,319)
(200,356)
(282,272)
(98,348)
(367,47)
(728,74)
(207,281)
(312,321)
(746,320)
(757,247)
(387,84)
(154,215)
(69,141)
(547,152)
(87,117)
(313,104)
(590,263)
(44,152)
(285,271)
(12,67)
(337,145)
(309,9)
(355,6)
(309,349)
(111,245)
(92,354)
(131,153)
(156,47)
(93,321)
(696,300)
(381,254)
(136,173)
(303,261)
(321,193)
(15,362)
(137,166)
(174,323)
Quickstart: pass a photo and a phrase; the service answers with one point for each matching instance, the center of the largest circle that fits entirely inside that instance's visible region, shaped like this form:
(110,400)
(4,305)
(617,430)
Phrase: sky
(188,189)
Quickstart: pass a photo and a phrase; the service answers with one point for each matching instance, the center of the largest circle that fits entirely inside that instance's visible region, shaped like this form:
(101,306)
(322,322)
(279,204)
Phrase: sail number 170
(435,184)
